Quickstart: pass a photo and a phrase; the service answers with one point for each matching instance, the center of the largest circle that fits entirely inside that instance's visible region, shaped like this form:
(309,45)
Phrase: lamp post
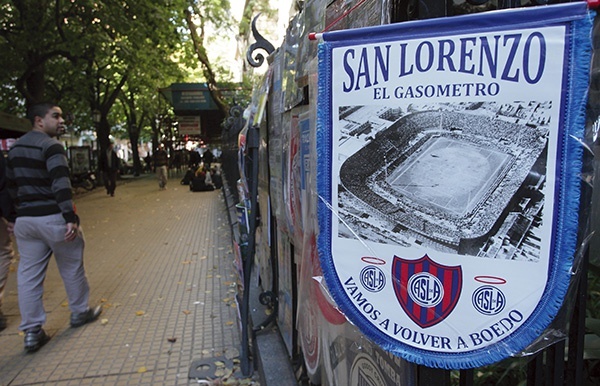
(96,118)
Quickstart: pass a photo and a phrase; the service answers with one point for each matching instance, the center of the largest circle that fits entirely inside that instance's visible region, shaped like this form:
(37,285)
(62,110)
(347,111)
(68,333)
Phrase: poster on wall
(286,274)
(79,159)
(448,166)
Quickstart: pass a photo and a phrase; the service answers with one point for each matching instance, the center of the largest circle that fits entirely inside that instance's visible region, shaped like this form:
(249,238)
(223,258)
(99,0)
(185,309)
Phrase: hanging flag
(449,154)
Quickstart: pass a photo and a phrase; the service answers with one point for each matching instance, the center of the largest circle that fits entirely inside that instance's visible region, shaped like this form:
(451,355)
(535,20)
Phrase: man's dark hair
(39,110)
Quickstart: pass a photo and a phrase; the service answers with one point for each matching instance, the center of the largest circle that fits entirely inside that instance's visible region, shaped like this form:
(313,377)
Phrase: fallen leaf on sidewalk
(140,313)
(230,323)
(104,322)
(64,304)
(172,340)
(142,369)
(187,312)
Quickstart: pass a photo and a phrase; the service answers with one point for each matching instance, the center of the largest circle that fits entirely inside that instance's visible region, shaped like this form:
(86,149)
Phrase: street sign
(189,125)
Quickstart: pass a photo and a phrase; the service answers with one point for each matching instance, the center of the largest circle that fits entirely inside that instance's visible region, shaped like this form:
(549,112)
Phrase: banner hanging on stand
(449,154)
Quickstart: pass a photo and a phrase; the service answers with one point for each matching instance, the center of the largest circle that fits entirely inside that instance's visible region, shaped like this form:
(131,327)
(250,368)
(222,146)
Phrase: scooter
(85,180)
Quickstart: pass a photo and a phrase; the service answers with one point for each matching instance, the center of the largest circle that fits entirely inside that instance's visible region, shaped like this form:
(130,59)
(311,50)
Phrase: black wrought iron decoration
(260,43)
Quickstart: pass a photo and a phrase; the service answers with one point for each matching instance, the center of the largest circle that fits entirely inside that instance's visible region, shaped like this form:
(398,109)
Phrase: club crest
(427,291)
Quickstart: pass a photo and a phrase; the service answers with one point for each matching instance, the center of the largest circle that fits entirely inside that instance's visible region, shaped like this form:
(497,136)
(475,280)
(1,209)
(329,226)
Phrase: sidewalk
(160,263)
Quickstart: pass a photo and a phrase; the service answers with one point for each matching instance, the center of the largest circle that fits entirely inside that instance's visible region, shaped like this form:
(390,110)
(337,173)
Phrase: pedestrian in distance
(161,162)
(46,224)
(202,180)
(109,165)
(208,158)
(148,163)
(217,180)
(7,214)
(195,158)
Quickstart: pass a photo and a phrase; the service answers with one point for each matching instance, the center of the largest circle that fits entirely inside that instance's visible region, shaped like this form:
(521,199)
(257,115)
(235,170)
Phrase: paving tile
(160,263)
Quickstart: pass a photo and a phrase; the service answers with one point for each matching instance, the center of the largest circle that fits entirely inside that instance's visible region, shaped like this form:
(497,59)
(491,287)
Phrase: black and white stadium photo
(463,178)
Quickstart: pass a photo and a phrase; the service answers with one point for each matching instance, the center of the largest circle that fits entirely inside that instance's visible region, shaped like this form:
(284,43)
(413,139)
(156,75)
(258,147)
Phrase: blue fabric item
(569,163)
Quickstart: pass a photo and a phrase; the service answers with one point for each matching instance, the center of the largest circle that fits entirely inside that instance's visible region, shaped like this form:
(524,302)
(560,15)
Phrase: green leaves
(86,42)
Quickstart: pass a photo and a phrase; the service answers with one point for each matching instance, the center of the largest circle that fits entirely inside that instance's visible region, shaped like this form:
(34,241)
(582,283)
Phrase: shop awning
(12,126)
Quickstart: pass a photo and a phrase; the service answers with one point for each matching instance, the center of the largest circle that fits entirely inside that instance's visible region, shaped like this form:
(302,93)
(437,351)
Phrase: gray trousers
(37,238)
(6,255)
(162,174)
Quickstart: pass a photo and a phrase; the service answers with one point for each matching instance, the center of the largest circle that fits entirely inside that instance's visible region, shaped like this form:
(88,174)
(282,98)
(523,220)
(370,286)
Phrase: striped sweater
(38,177)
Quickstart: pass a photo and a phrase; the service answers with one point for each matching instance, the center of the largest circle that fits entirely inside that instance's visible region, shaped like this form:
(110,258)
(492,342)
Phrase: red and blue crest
(427,291)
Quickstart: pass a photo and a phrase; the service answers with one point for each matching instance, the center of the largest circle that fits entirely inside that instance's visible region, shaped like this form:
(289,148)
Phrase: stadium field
(449,174)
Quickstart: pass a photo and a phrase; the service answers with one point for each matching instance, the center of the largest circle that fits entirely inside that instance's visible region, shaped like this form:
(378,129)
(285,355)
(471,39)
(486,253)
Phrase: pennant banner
(448,178)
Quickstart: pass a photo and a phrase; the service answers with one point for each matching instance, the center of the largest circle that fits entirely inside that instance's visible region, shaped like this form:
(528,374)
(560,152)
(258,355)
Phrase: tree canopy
(104,56)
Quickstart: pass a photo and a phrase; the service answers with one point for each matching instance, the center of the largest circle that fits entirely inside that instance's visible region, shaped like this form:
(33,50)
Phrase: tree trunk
(134,137)
(103,133)
(207,70)
(36,85)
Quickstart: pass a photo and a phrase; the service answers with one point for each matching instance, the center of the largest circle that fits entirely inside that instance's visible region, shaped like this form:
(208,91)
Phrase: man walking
(109,164)
(161,162)
(38,177)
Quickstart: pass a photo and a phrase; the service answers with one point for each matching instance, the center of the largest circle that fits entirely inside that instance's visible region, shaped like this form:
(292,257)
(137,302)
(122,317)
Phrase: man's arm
(58,168)
(7,208)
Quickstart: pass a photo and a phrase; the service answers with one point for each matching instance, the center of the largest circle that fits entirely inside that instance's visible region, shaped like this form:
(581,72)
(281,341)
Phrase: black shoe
(2,321)
(78,320)
(35,338)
